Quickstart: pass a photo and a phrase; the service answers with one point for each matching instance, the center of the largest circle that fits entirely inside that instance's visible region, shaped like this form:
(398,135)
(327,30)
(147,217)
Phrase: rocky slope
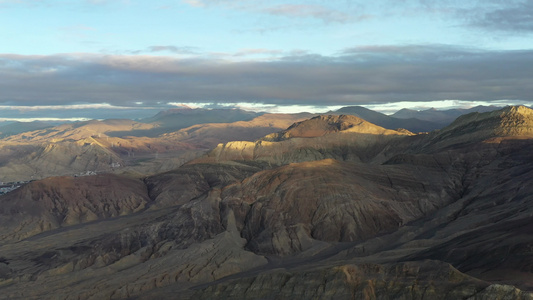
(512,121)
(109,146)
(409,280)
(339,137)
(390,122)
(64,201)
(283,210)
(208,135)
(331,208)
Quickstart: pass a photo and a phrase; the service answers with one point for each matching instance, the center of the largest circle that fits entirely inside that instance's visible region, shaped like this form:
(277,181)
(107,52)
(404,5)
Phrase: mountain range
(37,150)
(439,116)
(303,206)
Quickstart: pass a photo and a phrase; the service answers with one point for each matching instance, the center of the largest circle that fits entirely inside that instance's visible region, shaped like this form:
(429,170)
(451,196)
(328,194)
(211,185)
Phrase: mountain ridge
(444,117)
(328,211)
(511,121)
(326,124)
(389,122)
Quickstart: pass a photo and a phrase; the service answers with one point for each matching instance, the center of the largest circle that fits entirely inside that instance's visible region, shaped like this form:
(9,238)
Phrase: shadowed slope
(281,211)
(442,117)
(62,201)
(411,280)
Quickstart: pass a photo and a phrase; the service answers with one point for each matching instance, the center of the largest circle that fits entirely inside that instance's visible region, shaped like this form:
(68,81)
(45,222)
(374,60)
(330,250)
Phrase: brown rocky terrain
(109,146)
(476,127)
(408,280)
(331,208)
(208,135)
(391,122)
(339,137)
(64,201)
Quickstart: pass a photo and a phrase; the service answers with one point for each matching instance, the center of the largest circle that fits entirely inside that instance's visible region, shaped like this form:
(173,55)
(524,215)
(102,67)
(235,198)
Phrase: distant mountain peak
(390,122)
(508,121)
(407,110)
(518,110)
(317,126)
(509,116)
(173,111)
(442,117)
(326,124)
(184,106)
(334,119)
(178,118)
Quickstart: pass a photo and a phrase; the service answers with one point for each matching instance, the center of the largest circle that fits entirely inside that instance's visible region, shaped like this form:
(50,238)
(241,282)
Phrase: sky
(79,58)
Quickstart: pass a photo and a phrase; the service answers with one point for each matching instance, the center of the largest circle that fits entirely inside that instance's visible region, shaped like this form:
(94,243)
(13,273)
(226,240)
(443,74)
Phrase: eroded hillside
(330,208)
(126,146)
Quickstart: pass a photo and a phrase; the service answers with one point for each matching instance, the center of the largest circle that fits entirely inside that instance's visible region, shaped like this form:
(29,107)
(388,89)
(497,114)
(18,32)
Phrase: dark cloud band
(357,76)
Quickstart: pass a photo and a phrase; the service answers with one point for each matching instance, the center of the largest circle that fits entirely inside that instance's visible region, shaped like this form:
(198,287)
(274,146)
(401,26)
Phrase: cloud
(251,52)
(187,51)
(168,49)
(238,4)
(291,10)
(363,75)
(76,112)
(195,3)
(309,11)
(102,2)
(173,49)
(508,16)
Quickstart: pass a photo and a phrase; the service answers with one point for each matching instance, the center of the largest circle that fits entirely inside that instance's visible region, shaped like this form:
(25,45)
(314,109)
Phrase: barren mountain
(339,137)
(78,130)
(509,121)
(210,134)
(444,117)
(25,159)
(63,201)
(108,146)
(331,208)
(176,119)
(322,125)
(390,122)
(19,127)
